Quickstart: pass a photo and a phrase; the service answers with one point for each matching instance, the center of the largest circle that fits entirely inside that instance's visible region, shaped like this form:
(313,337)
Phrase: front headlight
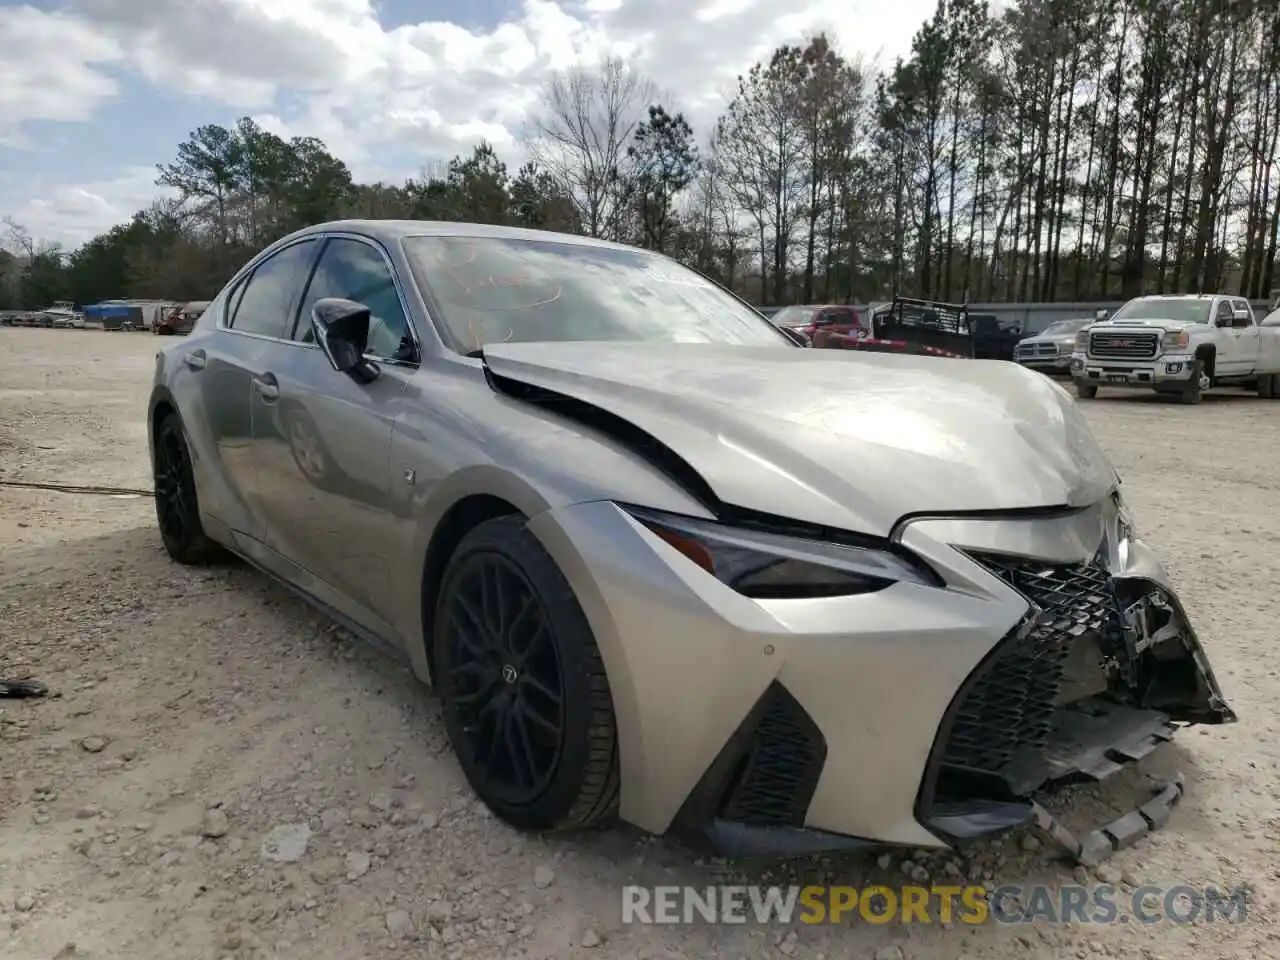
(1175,339)
(767,565)
(1082,341)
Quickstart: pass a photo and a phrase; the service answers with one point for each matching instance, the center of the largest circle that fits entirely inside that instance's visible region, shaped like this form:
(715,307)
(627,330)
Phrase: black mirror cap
(341,329)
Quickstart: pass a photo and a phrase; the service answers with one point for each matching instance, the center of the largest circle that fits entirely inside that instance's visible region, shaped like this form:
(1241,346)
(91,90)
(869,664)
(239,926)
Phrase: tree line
(1054,150)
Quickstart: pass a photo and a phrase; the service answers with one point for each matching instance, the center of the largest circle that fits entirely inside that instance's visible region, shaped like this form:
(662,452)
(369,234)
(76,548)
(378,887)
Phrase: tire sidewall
(571,634)
(171,425)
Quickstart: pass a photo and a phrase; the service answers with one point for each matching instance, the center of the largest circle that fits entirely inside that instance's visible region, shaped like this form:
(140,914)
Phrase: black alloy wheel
(525,699)
(177,512)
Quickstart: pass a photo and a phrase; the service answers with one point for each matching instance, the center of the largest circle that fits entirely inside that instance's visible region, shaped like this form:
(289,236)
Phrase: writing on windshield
(497,289)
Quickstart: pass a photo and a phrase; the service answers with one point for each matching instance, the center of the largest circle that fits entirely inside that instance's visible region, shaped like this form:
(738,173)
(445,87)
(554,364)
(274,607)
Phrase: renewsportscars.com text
(970,904)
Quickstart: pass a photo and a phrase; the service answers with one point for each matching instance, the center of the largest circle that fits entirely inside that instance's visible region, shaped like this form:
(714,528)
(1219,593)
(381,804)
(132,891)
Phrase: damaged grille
(778,772)
(1008,706)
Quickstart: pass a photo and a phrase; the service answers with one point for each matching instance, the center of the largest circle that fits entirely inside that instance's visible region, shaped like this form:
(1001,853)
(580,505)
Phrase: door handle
(195,359)
(267,386)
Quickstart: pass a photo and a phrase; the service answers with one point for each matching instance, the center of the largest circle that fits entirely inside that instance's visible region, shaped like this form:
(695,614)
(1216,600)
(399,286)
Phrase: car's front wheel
(523,689)
(177,510)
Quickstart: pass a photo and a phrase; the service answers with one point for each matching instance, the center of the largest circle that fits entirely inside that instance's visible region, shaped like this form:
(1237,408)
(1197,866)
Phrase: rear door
(1246,334)
(325,451)
(255,327)
(1230,358)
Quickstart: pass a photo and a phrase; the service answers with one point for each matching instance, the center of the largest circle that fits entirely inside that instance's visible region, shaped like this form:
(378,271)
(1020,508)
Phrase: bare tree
(581,136)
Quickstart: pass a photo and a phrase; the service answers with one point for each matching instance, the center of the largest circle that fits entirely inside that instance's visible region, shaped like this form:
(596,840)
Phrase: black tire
(579,787)
(1086,391)
(177,510)
(1267,386)
(1193,394)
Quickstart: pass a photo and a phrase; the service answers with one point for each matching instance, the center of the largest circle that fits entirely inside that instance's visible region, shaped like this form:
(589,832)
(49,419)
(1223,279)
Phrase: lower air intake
(778,772)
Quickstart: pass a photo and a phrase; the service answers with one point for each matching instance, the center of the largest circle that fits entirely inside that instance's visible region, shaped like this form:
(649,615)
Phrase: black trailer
(933,327)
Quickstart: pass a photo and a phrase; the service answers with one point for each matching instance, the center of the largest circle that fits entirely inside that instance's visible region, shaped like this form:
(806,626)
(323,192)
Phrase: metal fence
(1034,317)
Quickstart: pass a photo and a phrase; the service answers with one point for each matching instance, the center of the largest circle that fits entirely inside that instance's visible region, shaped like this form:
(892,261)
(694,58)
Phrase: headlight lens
(767,565)
(1175,339)
(1082,341)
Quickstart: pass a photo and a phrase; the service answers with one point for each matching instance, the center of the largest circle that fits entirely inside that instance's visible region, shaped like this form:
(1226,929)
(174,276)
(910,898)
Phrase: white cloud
(49,69)
(432,88)
(69,214)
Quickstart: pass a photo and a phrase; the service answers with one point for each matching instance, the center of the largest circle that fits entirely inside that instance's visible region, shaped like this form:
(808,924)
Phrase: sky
(97,92)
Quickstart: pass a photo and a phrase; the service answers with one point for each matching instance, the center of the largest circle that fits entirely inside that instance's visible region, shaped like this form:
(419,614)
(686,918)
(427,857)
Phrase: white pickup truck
(1178,345)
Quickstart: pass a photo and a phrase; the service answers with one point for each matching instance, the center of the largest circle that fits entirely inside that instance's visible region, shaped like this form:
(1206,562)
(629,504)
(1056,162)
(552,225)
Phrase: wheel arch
(455,523)
(162,404)
(464,500)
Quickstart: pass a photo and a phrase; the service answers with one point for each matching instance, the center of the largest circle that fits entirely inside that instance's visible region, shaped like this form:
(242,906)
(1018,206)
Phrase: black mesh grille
(1007,707)
(778,773)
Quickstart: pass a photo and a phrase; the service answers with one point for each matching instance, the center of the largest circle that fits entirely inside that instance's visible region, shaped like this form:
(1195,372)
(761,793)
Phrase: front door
(326,441)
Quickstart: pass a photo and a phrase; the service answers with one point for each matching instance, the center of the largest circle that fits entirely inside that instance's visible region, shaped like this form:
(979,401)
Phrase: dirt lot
(199,711)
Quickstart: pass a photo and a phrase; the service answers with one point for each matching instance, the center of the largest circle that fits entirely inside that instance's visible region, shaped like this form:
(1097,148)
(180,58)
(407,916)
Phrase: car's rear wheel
(177,510)
(525,698)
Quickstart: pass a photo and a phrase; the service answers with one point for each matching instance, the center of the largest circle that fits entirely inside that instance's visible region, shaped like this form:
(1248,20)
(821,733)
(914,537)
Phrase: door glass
(271,290)
(353,270)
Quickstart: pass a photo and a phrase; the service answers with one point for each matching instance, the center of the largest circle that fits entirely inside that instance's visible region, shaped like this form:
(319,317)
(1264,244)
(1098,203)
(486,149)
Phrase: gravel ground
(224,775)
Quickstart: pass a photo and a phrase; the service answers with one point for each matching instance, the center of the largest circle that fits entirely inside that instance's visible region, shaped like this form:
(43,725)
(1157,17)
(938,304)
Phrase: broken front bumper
(921,716)
(1097,675)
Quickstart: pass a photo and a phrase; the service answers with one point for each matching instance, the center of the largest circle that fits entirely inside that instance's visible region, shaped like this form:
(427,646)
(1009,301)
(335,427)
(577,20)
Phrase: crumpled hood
(846,440)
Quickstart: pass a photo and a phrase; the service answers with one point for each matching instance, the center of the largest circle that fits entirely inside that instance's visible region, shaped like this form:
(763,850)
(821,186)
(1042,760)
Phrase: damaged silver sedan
(661,563)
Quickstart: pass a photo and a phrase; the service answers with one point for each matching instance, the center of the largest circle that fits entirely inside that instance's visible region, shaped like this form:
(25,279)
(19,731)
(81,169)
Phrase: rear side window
(266,300)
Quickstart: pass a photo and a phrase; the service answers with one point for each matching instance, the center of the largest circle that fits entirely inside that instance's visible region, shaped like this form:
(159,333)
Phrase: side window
(1224,311)
(1244,318)
(357,271)
(265,299)
(217,307)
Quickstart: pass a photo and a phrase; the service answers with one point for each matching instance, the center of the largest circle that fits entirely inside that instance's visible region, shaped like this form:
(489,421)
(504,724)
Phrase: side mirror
(795,336)
(341,329)
(1223,321)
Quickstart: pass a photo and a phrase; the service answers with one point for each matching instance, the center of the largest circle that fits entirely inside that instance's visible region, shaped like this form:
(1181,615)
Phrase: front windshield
(1063,327)
(495,290)
(793,316)
(1187,310)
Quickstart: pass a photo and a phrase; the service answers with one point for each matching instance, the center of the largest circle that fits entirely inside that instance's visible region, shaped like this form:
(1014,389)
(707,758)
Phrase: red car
(928,327)
(829,318)
(181,319)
